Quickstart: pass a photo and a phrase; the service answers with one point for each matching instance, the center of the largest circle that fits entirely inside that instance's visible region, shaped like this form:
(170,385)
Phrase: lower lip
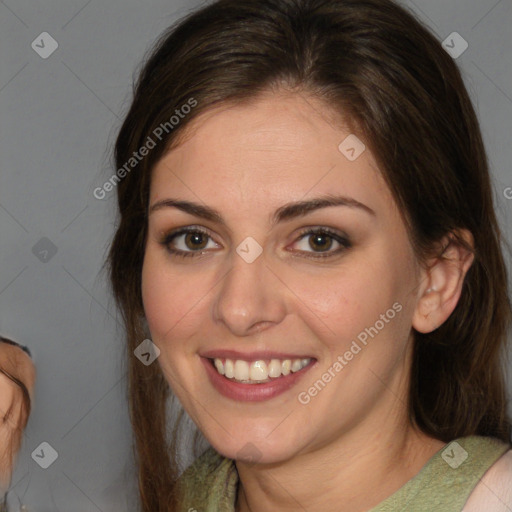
(252,392)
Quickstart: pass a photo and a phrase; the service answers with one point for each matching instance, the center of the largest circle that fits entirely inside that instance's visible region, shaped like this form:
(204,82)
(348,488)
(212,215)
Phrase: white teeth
(219,366)
(241,370)
(258,371)
(296,365)
(229,368)
(274,368)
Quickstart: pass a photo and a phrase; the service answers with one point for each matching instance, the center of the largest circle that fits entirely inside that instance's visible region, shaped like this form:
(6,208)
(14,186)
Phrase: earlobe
(426,316)
(443,282)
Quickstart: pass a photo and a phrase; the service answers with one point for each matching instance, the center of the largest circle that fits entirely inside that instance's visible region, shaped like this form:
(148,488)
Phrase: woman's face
(253,286)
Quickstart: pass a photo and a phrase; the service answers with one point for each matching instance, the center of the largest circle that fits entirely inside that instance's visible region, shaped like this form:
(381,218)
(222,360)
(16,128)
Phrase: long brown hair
(399,91)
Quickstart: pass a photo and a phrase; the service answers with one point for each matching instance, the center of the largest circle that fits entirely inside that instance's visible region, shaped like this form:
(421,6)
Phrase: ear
(441,283)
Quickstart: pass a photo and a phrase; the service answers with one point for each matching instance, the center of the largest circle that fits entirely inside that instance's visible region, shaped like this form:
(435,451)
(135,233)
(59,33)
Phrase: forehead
(280,147)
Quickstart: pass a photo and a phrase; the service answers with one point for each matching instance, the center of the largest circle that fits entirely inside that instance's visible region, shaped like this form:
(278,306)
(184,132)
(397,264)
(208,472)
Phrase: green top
(444,483)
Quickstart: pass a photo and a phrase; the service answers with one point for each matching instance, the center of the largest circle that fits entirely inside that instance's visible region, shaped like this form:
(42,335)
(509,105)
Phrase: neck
(358,470)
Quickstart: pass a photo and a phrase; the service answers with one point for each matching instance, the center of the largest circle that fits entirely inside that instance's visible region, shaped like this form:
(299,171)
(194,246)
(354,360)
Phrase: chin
(255,449)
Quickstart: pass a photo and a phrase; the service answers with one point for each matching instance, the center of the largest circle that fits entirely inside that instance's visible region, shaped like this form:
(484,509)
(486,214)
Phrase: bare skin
(351,444)
(18,364)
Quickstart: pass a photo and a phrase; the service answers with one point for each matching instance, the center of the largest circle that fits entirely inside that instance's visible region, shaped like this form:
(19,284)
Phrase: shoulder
(494,491)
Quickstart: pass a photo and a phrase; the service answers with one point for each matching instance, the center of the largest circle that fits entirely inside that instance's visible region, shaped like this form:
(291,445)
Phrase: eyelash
(343,240)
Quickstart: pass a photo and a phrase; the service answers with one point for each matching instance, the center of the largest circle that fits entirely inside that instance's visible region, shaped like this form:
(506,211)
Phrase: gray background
(59,117)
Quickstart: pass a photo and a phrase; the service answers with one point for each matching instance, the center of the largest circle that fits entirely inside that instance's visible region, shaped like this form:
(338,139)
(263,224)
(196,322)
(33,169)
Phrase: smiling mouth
(258,372)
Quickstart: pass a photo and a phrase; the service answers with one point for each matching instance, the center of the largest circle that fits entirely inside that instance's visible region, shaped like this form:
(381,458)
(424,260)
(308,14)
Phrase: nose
(250,297)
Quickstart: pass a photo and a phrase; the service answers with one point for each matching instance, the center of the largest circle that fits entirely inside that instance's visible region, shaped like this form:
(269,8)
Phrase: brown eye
(187,242)
(320,241)
(196,240)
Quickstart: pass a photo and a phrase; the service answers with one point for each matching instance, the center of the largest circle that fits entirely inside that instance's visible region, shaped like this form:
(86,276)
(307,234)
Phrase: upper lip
(250,356)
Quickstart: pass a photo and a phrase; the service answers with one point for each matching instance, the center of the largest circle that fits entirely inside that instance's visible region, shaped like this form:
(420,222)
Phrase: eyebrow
(286,212)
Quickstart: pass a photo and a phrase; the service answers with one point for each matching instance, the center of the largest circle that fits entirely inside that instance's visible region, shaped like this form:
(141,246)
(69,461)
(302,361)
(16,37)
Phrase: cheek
(351,301)
(172,299)
(159,296)
(154,295)
(347,299)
